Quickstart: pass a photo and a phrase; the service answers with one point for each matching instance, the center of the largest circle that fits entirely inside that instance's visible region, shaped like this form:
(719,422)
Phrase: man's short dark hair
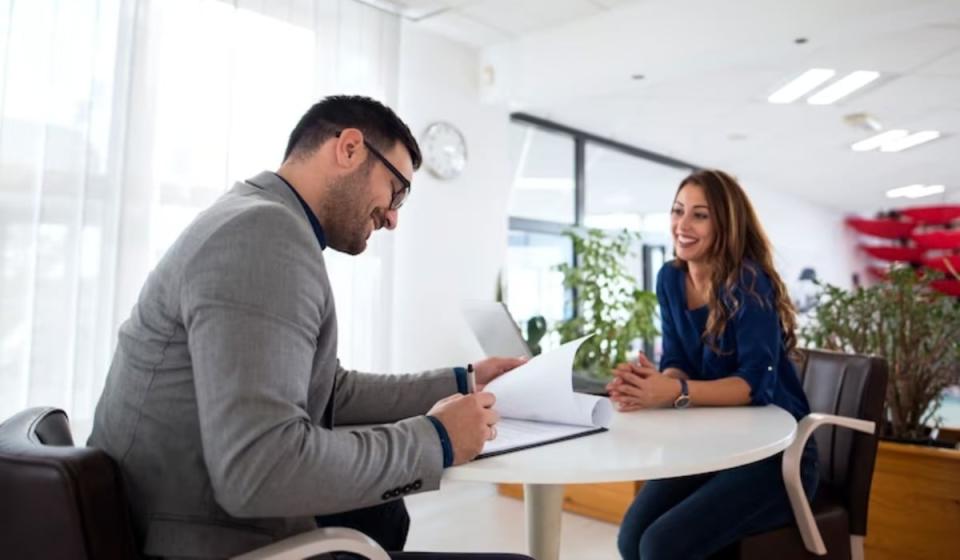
(379,124)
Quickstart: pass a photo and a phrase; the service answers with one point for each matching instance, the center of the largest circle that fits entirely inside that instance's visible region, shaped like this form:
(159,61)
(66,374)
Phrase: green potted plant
(536,329)
(914,489)
(915,328)
(611,304)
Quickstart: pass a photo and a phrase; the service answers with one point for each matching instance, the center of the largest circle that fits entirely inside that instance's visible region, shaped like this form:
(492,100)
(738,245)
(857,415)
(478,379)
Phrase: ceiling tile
(947,65)
(528,15)
(458,27)
(898,52)
(417,9)
(898,103)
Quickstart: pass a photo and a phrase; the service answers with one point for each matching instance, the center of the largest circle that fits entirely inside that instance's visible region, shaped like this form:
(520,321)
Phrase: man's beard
(347,215)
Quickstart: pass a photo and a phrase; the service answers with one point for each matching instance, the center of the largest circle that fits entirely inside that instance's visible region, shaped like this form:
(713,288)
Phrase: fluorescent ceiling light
(910,141)
(843,87)
(801,85)
(905,192)
(915,191)
(878,140)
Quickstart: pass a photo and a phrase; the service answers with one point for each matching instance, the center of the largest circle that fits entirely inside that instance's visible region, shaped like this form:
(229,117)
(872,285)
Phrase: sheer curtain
(119,121)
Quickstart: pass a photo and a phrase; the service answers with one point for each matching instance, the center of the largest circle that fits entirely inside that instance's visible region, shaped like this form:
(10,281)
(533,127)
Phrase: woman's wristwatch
(683,401)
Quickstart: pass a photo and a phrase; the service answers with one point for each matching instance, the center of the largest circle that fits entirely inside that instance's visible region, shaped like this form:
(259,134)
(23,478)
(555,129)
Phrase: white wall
(452,235)
(804,234)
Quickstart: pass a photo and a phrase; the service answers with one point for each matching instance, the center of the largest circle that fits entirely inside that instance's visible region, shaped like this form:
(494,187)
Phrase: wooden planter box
(914,502)
(606,502)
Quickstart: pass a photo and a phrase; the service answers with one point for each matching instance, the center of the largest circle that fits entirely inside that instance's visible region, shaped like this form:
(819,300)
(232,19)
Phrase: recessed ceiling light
(878,140)
(915,191)
(866,121)
(910,141)
(843,87)
(801,85)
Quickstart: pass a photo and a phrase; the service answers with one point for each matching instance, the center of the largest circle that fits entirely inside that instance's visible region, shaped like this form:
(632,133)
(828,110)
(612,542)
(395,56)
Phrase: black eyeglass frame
(400,196)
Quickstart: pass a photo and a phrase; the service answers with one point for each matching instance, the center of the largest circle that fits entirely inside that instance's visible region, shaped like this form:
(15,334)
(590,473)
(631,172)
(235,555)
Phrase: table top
(644,445)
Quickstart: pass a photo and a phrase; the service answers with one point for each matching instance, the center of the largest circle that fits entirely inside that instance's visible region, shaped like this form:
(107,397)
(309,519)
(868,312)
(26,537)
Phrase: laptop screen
(495,329)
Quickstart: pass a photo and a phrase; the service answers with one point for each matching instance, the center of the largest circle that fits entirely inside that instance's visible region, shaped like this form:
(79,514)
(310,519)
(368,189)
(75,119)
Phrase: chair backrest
(854,386)
(56,500)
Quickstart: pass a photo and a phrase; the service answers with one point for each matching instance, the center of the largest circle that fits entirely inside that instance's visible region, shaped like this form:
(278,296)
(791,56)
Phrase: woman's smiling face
(691,224)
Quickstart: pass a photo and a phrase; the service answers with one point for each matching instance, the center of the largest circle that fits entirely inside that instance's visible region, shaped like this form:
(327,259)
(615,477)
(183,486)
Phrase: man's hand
(641,385)
(492,368)
(470,422)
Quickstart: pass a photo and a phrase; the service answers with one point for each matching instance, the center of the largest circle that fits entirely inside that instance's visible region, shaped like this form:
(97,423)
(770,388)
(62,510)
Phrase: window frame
(580,140)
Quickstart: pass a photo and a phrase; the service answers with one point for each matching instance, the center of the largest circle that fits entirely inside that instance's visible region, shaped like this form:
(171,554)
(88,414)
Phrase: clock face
(444,150)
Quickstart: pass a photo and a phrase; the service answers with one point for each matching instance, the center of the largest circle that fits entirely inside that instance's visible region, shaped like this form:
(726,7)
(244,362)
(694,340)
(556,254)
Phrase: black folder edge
(590,431)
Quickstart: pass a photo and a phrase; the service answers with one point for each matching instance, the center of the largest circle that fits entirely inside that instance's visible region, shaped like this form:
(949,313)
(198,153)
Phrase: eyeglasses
(400,196)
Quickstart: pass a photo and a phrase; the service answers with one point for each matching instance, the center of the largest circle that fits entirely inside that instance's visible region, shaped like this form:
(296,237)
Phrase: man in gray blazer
(225,385)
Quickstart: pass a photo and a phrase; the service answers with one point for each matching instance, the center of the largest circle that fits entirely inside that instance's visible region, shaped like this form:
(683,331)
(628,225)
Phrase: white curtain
(119,121)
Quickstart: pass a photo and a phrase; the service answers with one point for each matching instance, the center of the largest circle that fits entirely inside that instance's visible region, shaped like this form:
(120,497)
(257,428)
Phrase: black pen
(471,379)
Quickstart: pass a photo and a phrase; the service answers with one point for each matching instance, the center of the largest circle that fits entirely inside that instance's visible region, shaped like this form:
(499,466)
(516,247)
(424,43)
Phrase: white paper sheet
(537,404)
(514,435)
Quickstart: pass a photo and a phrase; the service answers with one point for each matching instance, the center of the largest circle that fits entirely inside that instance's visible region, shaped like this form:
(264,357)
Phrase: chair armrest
(319,541)
(791,473)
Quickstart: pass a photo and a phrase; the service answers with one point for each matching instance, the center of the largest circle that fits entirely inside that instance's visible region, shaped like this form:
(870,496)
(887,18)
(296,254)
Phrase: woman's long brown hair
(739,237)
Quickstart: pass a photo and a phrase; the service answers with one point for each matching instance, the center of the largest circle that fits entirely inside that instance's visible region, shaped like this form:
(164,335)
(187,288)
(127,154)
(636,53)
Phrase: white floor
(472,517)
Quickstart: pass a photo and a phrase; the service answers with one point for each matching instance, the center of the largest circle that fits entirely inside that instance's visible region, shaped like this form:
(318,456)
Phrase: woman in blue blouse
(728,329)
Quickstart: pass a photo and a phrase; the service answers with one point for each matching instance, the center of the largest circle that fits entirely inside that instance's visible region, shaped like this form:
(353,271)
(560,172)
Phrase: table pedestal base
(544,507)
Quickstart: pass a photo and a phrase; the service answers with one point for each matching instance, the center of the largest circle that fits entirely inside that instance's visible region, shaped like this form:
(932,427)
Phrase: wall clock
(444,150)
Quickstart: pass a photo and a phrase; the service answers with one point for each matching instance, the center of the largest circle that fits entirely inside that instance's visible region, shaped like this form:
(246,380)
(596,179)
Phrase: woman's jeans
(695,516)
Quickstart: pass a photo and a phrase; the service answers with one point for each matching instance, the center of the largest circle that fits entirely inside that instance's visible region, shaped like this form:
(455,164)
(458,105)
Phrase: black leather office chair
(842,389)
(63,502)
(59,501)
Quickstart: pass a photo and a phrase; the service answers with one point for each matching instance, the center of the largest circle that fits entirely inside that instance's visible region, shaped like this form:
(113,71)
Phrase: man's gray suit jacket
(225,385)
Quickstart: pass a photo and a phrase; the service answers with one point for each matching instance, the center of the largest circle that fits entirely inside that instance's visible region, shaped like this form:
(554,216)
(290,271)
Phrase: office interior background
(120,120)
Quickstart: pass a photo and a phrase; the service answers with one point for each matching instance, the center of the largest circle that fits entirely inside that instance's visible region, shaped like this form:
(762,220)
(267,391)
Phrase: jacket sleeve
(252,306)
(758,339)
(673,354)
(367,398)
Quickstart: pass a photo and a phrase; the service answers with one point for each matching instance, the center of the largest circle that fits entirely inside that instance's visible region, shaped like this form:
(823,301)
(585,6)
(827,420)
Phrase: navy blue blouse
(751,346)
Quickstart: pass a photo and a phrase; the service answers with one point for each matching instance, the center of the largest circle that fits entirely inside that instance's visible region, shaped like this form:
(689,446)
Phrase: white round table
(641,445)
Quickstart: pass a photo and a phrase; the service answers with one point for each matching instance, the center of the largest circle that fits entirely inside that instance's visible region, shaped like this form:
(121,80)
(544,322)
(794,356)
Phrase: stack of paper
(537,404)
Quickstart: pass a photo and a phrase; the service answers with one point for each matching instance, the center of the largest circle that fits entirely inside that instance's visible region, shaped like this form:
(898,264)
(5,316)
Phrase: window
(566,178)
(625,191)
(543,184)
(119,122)
(535,287)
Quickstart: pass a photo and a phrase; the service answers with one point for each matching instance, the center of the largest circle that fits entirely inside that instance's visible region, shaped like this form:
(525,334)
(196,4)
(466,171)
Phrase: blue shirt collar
(314,222)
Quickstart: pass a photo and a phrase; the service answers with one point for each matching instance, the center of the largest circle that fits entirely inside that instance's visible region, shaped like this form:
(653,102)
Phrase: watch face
(683,401)
(444,150)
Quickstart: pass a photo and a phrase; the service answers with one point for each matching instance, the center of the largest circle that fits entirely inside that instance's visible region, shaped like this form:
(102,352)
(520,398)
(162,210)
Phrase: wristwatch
(683,401)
